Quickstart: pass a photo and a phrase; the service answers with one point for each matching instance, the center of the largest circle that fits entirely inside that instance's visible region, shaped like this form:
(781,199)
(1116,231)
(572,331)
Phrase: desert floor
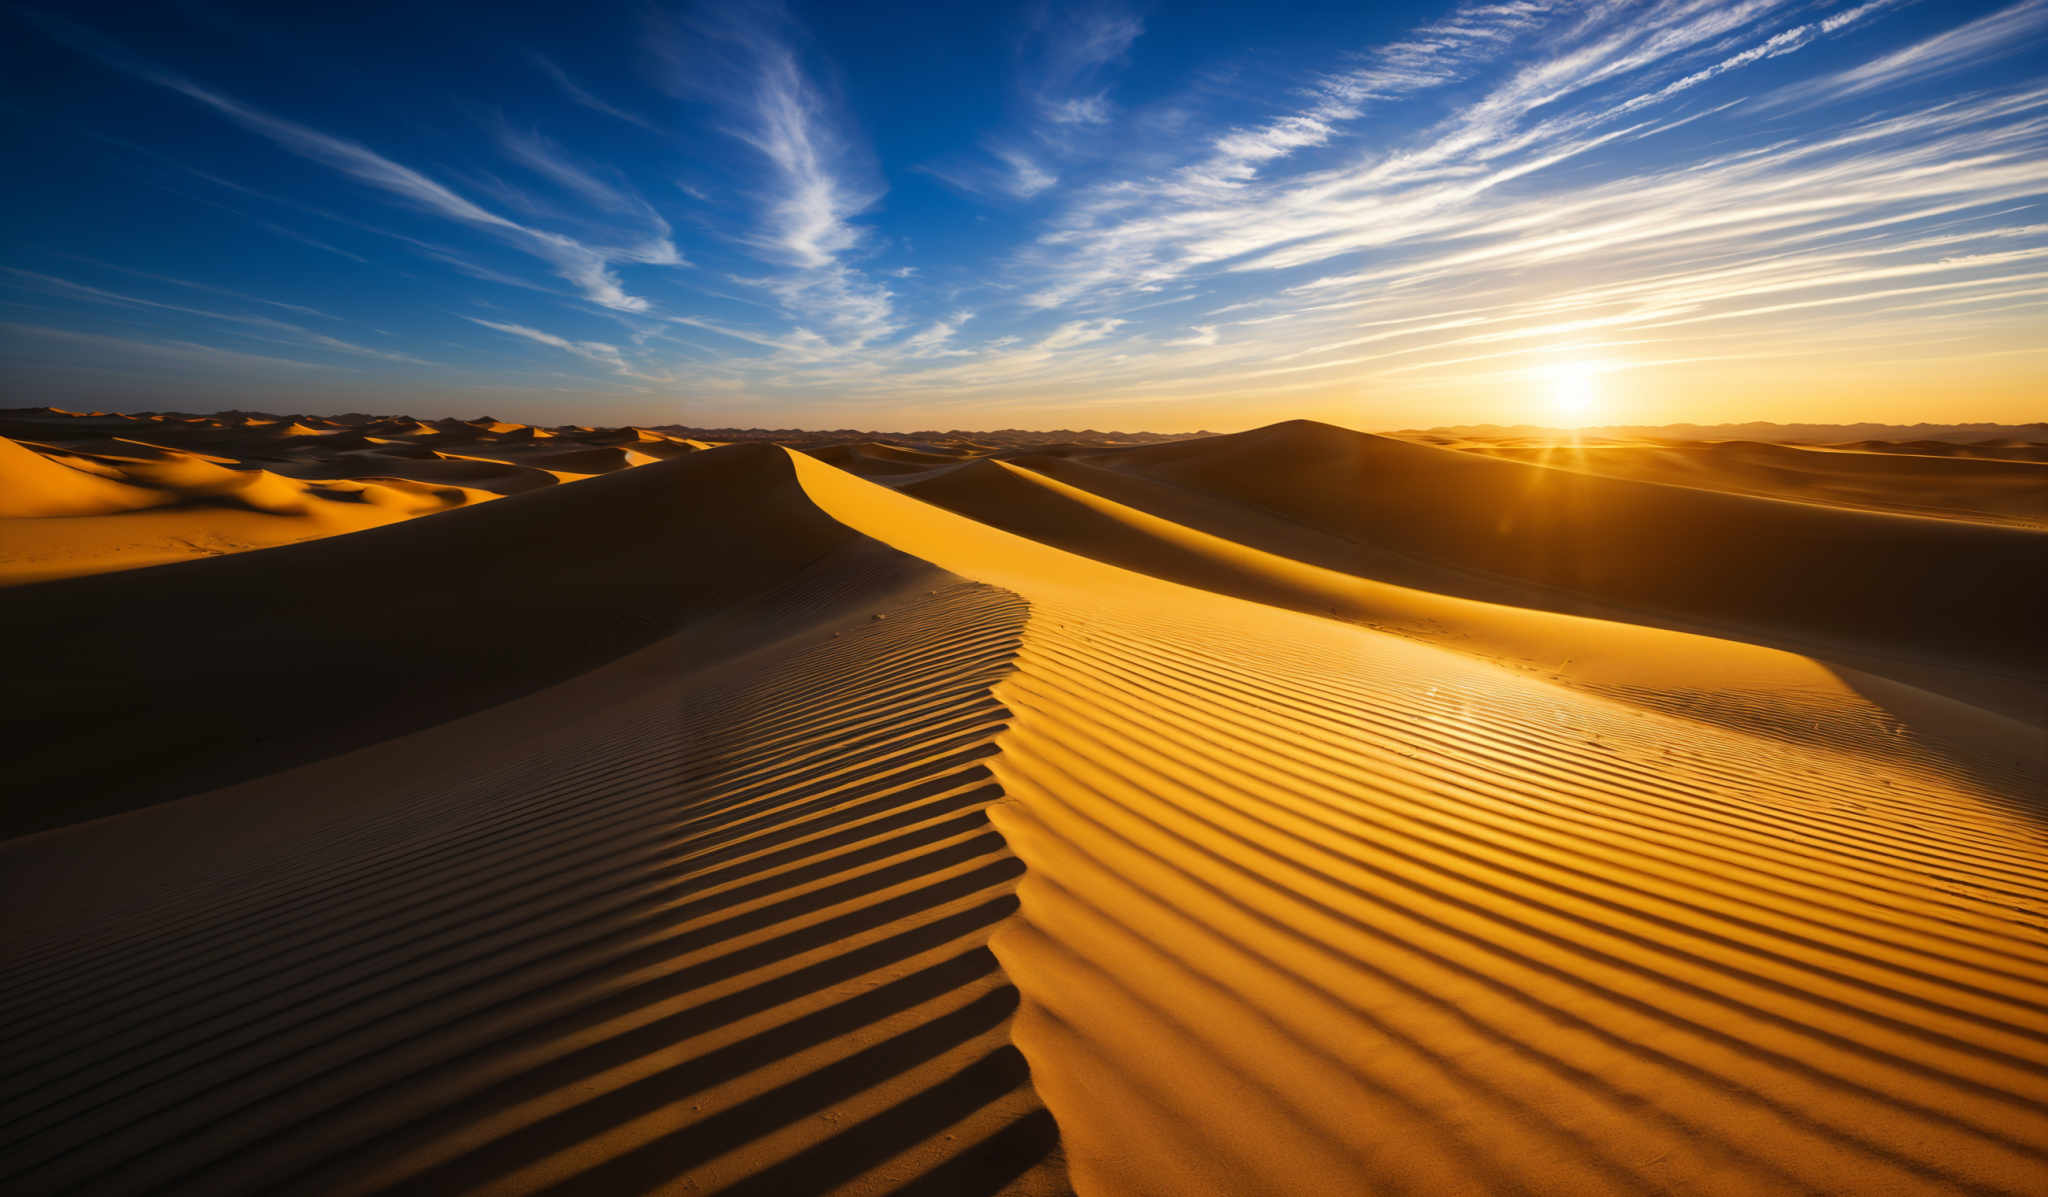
(467,806)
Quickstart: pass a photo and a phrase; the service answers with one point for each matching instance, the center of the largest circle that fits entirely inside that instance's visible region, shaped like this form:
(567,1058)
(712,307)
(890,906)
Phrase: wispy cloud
(593,351)
(2003,32)
(655,246)
(1010,171)
(1066,55)
(179,352)
(209,288)
(81,291)
(1064,76)
(816,179)
(1080,332)
(589,269)
(577,93)
(1435,55)
(933,341)
(544,158)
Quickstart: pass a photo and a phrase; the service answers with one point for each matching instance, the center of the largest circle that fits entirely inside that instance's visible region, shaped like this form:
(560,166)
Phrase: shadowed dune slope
(874,459)
(711,917)
(1958,591)
(1308,908)
(304,650)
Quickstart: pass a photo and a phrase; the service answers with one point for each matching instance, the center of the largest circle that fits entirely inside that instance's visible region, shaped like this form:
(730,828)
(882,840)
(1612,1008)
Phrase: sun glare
(1574,392)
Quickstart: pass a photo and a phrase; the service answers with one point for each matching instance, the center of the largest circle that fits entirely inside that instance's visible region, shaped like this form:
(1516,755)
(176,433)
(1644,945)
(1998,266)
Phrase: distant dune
(1997,484)
(1955,435)
(146,490)
(1296,811)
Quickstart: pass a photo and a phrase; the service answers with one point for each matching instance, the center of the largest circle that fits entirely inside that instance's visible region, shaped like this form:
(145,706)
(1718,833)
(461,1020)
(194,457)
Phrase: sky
(959,216)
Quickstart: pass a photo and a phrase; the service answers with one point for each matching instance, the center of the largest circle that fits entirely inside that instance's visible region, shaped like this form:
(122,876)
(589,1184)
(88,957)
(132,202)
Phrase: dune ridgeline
(1295,811)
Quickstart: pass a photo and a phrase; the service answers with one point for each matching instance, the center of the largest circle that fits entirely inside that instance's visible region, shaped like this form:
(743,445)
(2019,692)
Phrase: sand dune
(736,823)
(45,485)
(1723,682)
(310,648)
(134,492)
(872,459)
(67,513)
(1952,485)
(1800,569)
(1288,880)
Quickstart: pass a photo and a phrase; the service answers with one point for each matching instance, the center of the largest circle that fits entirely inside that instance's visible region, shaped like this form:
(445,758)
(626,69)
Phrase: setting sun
(1572,391)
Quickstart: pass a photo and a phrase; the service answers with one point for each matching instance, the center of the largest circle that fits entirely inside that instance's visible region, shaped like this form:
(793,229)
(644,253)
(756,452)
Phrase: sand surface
(84,493)
(1293,812)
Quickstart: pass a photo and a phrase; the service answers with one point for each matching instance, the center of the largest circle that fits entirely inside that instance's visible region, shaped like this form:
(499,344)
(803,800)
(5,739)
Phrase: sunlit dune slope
(1309,908)
(116,492)
(1962,591)
(65,512)
(36,485)
(711,916)
(238,665)
(739,824)
(1952,486)
(1719,681)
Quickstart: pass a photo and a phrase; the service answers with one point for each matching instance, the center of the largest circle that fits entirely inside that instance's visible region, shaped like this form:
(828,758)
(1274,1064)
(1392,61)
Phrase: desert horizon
(1061,597)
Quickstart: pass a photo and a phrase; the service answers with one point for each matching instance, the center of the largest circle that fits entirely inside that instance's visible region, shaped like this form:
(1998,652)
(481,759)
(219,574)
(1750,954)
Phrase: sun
(1573,392)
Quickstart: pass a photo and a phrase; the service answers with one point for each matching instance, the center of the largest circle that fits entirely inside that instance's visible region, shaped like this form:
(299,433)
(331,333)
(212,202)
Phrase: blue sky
(1163,216)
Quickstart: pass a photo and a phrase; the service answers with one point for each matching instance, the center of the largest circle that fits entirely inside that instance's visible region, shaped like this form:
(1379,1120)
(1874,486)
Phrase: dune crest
(1092,817)
(1308,907)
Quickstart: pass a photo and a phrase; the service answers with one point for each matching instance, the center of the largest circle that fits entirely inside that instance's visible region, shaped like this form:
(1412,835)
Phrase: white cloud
(1080,332)
(594,351)
(1079,110)
(933,341)
(544,158)
(1026,177)
(1014,173)
(580,264)
(816,182)
(1997,33)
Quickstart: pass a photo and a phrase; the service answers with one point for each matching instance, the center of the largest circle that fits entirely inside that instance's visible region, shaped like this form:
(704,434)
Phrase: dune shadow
(727,928)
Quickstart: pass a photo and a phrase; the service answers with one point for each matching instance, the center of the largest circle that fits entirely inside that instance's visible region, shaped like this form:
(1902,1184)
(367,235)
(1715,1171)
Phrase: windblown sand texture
(1291,812)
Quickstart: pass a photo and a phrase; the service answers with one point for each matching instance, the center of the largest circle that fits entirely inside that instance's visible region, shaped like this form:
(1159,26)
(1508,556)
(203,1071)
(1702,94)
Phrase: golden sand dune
(1731,683)
(1967,485)
(46,485)
(1312,909)
(125,493)
(1731,562)
(67,513)
(735,823)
